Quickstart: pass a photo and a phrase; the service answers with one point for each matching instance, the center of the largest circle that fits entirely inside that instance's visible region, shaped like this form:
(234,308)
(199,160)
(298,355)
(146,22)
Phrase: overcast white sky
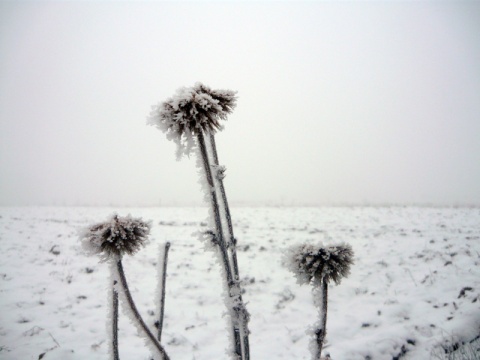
(338,102)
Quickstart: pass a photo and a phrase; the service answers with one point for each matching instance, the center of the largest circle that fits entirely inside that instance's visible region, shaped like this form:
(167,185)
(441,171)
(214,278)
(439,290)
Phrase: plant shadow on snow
(416,280)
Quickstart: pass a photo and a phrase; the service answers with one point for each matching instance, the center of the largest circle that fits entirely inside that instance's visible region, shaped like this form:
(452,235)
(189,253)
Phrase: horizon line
(267,204)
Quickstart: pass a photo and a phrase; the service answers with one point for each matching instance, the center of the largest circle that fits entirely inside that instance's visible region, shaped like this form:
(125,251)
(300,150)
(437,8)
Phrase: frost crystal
(323,263)
(115,237)
(190,111)
(220,171)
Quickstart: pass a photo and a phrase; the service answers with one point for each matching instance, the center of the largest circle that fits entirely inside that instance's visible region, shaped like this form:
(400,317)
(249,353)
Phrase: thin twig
(55,341)
(162,290)
(115,322)
(411,276)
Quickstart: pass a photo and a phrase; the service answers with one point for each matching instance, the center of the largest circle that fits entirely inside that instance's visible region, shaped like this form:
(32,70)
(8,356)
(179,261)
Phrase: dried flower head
(192,110)
(322,263)
(116,236)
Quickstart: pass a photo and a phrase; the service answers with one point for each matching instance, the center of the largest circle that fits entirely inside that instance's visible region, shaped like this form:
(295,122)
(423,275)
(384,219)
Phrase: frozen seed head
(116,237)
(322,263)
(192,110)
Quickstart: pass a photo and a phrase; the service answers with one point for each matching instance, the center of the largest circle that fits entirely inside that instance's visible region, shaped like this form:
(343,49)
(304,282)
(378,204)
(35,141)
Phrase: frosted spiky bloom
(323,263)
(115,237)
(192,110)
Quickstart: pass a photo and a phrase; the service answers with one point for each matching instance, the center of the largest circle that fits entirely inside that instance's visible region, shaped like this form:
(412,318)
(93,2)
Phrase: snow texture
(190,111)
(415,283)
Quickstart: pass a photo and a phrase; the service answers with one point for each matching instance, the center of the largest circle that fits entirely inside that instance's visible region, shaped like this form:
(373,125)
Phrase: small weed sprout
(319,265)
(111,240)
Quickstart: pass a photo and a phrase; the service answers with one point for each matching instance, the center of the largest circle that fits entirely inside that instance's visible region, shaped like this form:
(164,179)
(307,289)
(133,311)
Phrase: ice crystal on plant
(317,262)
(115,237)
(190,111)
(220,172)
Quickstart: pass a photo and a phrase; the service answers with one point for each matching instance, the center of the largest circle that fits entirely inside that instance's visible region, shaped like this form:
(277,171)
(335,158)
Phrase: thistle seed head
(322,263)
(192,110)
(116,237)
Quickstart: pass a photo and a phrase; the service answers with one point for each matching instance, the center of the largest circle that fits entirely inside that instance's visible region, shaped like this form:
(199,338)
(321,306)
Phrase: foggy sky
(338,102)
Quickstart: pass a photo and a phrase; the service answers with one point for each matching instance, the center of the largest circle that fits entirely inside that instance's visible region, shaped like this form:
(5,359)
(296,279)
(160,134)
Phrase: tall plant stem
(232,247)
(322,331)
(162,290)
(115,322)
(133,308)
(232,241)
(231,284)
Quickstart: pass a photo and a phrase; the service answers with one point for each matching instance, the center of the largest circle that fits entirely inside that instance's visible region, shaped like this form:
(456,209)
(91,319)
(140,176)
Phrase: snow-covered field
(415,284)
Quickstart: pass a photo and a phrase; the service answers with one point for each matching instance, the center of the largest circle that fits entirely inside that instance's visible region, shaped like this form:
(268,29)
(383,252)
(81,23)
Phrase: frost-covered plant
(111,240)
(162,278)
(319,265)
(191,118)
(115,237)
(192,111)
(454,349)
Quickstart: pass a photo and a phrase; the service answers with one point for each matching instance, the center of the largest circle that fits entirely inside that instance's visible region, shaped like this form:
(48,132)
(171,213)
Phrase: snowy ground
(415,284)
